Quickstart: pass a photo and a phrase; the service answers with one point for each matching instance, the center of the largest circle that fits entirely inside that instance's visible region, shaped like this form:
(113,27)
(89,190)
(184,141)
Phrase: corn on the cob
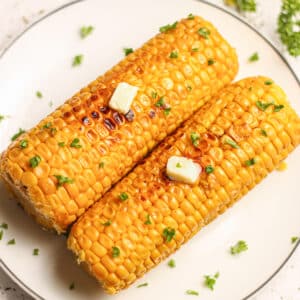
(241,137)
(74,155)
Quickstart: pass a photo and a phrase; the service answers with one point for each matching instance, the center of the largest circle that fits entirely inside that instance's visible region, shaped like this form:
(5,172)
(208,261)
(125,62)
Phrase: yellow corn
(244,133)
(79,151)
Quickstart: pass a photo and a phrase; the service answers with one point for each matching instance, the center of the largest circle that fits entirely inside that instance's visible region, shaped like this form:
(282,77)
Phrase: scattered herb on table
(1,234)
(35,252)
(192,292)
(86,31)
(72,286)
(254,57)
(39,94)
(77,60)
(172,263)
(242,5)
(4,226)
(142,285)
(20,132)
(11,242)
(239,247)
(210,281)
(294,239)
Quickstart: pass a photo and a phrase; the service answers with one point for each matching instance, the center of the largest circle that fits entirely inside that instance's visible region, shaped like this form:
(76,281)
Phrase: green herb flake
(86,31)
(115,252)
(11,242)
(50,104)
(191,17)
(174,54)
(142,285)
(2,118)
(189,88)
(77,60)
(160,102)
(232,143)
(242,5)
(178,165)
(250,162)
(168,27)
(20,132)
(154,95)
(47,125)
(148,220)
(34,161)
(210,62)
(209,282)
(195,49)
(263,132)
(39,94)
(254,57)
(209,169)
(168,234)
(72,286)
(1,234)
(268,82)
(4,226)
(75,143)
(167,111)
(192,292)
(195,137)
(278,108)
(263,106)
(172,263)
(127,51)
(61,144)
(239,247)
(101,165)
(61,180)
(204,32)
(123,196)
(35,252)
(23,144)
(107,223)
(294,239)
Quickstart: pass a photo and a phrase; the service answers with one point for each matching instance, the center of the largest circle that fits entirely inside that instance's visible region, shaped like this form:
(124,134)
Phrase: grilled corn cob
(72,157)
(237,139)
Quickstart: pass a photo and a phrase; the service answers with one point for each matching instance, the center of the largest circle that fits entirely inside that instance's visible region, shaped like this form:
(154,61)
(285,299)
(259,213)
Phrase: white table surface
(16,15)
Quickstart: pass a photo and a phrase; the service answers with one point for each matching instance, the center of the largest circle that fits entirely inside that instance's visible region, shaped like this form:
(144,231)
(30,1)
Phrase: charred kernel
(85,121)
(94,97)
(129,116)
(117,117)
(75,109)
(109,124)
(104,109)
(95,115)
(152,114)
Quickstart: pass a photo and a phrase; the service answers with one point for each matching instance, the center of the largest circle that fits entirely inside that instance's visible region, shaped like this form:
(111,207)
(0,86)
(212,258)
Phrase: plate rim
(3,265)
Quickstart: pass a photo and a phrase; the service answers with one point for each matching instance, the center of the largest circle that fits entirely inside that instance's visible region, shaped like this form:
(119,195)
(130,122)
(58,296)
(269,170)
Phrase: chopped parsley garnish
(204,32)
(123,196)
(250,162)
(160,102)
(107,223)
(85,31)
(115,252)
(189,88)
(172,263)
(1,234)
(209,169)
(254,57)
(210,281)
(195,137)
(239,247)
(21,131)
(39,94)
(167,111)
(23,144)
(168,234)
(61,144)
(289,25)
(263,132)
(47,125)
(2,118)
(210,62)
(101,165)
(263,106)
(50,104)
(242,5)
(154,95)
(127,51)
(232,143)
(178,165)
(35,252)
(77,60)
(268,82)
(142,285)
(174,54)
(11,242)
(278,108)
(34,161)
(75,143)
(191,17)
(217,275)
(168,27)
(63,179)
(148,220)
(72,286)
(195,49)
(192,292)
(294,239)
(4,226)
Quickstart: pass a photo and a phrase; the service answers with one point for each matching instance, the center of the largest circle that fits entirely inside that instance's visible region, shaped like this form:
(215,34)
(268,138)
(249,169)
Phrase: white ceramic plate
(41,60)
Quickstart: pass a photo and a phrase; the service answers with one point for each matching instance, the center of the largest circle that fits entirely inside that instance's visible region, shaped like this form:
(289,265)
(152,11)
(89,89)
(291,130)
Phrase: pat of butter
(122,97)
(183,169)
